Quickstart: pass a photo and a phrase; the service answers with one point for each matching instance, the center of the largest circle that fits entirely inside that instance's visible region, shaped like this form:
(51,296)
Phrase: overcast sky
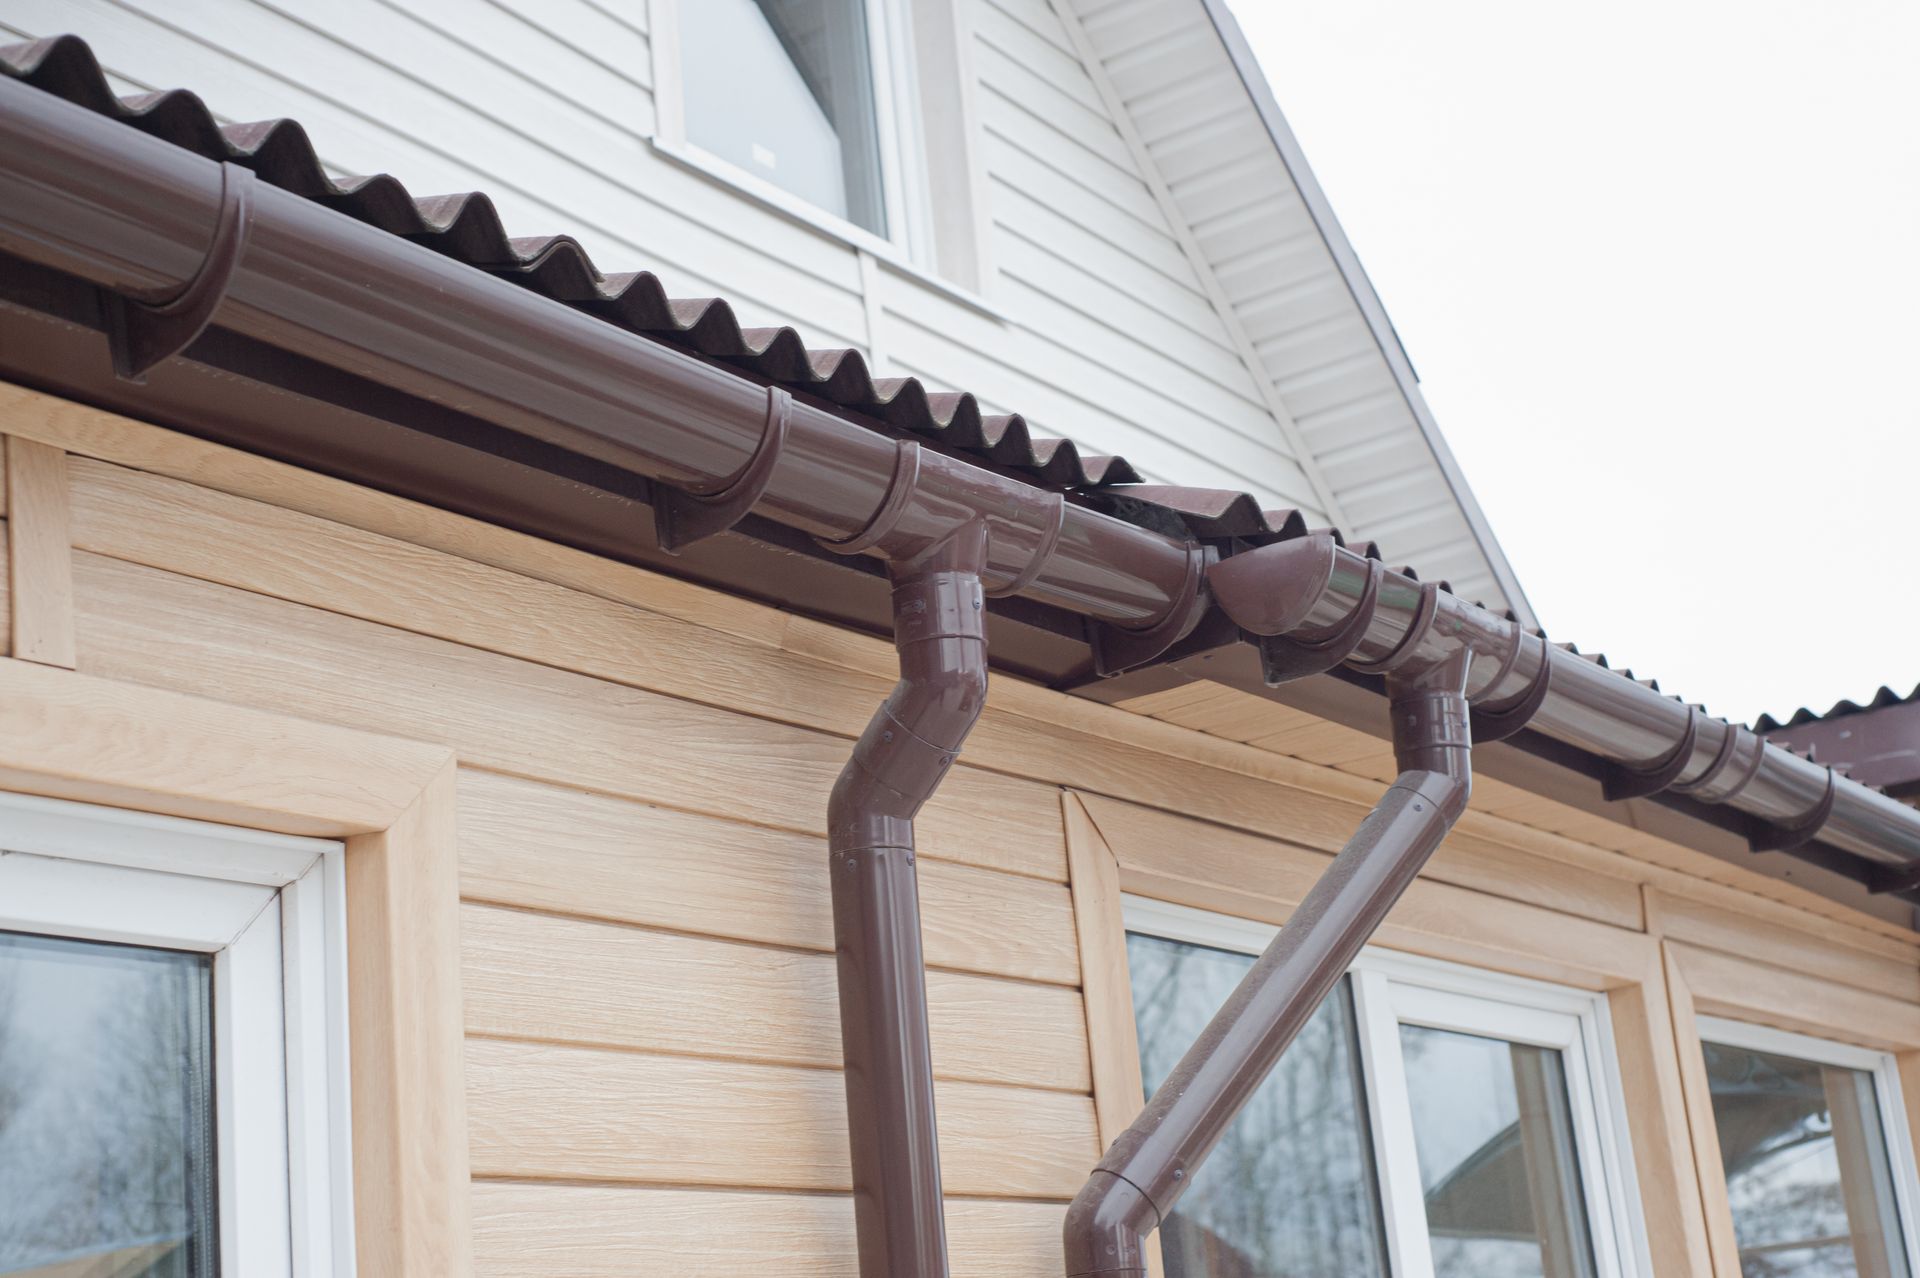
(1658,265)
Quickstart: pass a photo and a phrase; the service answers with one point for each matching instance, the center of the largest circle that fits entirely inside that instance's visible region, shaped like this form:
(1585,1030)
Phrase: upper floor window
(833,112)
(173,1070)
(1820,1179)
(786,90)
(1429,1122)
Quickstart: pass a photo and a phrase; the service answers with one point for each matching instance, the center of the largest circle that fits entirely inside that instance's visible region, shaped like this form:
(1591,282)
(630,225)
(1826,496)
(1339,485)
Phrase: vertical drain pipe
(1153,1162)
(936,527)
(940,632)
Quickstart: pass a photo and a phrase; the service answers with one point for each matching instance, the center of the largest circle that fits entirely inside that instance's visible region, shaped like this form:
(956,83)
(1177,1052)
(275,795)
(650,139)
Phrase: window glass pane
(1289,1192)
(1805,1154)
(784,89)
(106,1113)
(1493,1133)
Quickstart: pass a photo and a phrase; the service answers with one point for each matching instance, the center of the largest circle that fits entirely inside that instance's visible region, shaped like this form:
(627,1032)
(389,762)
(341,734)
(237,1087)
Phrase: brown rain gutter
(1322,597)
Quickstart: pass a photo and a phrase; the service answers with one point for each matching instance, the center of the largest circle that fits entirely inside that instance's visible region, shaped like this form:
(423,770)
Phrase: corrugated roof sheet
(1881,700)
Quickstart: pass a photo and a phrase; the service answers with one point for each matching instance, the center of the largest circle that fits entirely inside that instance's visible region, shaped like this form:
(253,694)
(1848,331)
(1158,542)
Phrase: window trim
(1391,988)
(83,737)
(1882,1067)
(270,909)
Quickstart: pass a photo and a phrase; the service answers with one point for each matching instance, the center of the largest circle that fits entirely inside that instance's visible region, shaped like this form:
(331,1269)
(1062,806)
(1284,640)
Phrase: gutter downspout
(938,551)
(1153,1162)
(939,630)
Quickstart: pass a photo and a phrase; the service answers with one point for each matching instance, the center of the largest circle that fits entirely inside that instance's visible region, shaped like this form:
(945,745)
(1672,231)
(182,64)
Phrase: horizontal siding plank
(1083,126)
(540,1112)
(1839,957)
(548,979)
(149,627)
(523,843)
(1019,124)
(1181,860)
(1747,989)
(1138,232)
(1035,54)
(604,1231)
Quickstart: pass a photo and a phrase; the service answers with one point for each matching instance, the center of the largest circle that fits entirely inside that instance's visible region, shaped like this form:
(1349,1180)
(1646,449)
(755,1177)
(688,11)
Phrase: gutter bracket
(1424,615)
(1284,659)
(901,487)
(142,334)
(1891,880)
(1769,836)
(1117,650)
(682,517)
(1049,541)
(1621,782)
(1497,725)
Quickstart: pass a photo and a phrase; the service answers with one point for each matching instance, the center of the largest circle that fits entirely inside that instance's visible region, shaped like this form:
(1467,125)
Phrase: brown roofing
(1884,699)
(1877,744)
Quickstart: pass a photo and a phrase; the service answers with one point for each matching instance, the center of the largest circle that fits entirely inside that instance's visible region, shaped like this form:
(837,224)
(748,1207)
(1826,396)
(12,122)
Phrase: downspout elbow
(1106,1228)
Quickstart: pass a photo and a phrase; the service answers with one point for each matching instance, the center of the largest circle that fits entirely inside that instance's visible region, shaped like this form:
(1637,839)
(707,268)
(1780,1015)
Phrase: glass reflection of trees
(1289,1192)
(1805,1157)
(106,1143)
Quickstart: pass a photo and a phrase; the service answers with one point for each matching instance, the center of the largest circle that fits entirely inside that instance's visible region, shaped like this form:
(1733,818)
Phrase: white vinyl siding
(1093,325)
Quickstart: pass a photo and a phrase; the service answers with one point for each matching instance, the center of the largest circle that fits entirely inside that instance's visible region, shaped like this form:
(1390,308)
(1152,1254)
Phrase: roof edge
(1320,209)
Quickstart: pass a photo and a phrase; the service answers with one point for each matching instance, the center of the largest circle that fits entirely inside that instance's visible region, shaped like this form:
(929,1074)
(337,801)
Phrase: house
(461,811)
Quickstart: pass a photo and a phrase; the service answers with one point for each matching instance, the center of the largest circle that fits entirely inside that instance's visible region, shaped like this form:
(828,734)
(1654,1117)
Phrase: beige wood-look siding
(652,1049)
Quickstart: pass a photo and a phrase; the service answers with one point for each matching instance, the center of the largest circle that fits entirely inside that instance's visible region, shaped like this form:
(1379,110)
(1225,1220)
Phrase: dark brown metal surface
(1152,1163)
(1877,743)
(1787,801)
(900,759)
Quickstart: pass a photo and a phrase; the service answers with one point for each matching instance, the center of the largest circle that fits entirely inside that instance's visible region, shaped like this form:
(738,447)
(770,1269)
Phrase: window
(173,1075)
(1819,1170)
(1430,1120)
(829,110)
(785,90)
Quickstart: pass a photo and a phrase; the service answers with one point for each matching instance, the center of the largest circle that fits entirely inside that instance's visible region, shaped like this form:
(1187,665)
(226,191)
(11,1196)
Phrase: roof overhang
(239,390)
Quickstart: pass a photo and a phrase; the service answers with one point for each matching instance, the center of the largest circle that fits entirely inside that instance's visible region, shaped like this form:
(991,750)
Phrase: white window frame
(1391,989)
(271,910)
(909,239)
(1884,1070)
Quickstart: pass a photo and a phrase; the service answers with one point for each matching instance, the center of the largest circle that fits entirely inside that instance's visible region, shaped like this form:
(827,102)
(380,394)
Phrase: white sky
(1658,265)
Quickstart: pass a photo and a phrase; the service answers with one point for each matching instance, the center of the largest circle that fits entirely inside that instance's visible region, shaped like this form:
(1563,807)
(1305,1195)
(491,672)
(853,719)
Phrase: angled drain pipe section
(1153,1162)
